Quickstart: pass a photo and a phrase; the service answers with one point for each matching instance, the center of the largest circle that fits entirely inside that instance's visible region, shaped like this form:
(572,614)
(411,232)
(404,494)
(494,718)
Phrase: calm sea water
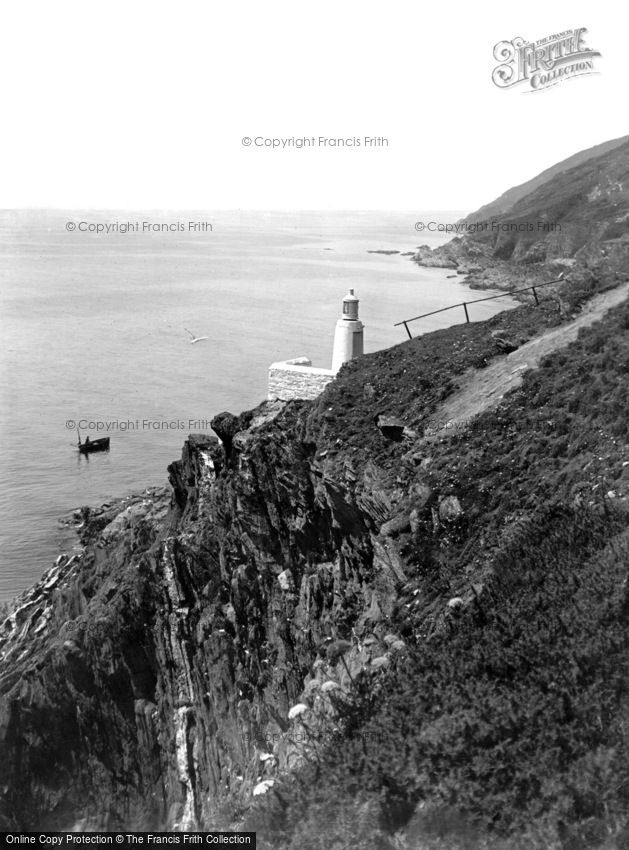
(94,329)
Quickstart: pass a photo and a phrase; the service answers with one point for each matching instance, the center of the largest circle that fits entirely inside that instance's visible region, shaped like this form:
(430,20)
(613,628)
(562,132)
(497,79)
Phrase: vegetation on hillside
(504,724)
(410,380)
(497,209)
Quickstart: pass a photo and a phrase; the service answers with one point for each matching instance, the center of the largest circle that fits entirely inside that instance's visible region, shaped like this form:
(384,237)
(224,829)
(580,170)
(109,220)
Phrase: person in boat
(87,441)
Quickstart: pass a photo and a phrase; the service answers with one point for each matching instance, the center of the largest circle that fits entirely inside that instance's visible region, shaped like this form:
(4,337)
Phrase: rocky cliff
(143,678)
(573,221)
(496,209)
(208,637)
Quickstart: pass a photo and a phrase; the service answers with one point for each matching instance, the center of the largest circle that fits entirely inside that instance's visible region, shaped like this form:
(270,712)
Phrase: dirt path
(484,388)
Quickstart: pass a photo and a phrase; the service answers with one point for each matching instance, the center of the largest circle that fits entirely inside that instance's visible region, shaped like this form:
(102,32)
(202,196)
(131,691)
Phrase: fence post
(467,318)
(535,295)
(407,330)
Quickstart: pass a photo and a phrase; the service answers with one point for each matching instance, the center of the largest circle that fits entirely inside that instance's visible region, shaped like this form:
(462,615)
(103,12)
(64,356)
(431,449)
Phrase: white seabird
(195,338)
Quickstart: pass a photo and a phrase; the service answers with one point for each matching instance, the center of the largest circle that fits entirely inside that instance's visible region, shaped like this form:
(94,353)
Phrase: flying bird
(194,338)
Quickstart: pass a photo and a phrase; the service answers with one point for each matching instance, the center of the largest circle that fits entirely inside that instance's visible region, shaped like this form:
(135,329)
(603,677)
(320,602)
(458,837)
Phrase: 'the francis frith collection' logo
(543,63)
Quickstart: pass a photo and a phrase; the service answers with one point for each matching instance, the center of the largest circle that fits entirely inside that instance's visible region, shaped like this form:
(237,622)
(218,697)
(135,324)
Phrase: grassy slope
(588,203)
(505,725)
(411,380)
(497,208)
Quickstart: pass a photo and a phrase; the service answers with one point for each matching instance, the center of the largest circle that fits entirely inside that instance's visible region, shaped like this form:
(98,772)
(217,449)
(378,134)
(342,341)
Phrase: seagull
(194,338)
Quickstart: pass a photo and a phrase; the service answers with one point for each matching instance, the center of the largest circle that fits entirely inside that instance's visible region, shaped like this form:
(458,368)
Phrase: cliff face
(496,209)
(153,669)
(574,221)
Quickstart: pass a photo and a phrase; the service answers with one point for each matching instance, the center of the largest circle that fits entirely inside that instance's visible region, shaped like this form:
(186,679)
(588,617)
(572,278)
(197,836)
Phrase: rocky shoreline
(573,223)
(480,269)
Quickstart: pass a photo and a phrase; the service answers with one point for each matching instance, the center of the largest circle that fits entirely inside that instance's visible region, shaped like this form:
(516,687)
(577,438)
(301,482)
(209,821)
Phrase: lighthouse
(298,378)
(348,335)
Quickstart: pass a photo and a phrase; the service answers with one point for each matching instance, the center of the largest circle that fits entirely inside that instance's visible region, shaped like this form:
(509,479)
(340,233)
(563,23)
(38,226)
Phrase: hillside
(465,596)
(498,208)
(575,223)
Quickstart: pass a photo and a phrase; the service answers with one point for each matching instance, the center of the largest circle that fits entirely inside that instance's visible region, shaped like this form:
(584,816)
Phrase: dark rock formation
(450,509)
(390,427)
(142,678)
(505,346)
(226,426)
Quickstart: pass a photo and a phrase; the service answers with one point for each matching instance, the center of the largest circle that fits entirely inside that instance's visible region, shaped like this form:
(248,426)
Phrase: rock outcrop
(153,669)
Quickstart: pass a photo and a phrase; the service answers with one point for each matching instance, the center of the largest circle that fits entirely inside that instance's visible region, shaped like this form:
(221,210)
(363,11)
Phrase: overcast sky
(144,104)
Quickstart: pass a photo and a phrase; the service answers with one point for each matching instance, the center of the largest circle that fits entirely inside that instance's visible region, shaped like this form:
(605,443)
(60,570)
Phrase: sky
(144,105)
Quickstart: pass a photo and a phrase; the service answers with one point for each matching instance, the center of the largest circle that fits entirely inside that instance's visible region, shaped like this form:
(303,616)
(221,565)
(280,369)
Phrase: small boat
(89,446)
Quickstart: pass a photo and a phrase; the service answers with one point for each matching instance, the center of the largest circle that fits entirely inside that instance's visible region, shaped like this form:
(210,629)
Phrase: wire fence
(465,304)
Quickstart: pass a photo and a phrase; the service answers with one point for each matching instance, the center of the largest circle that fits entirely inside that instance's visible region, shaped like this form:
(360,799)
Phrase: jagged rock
(225,425)
(390,427)
(450,509)
(285,580)
(504,345)
(199,452)
(369,391)
(387,559)
(395,526)
(426,256)
(420,494)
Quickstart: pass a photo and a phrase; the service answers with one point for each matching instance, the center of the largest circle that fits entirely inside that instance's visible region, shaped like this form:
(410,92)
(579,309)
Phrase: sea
(97,317)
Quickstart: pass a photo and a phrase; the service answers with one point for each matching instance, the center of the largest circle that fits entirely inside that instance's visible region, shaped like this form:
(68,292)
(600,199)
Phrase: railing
(464,304)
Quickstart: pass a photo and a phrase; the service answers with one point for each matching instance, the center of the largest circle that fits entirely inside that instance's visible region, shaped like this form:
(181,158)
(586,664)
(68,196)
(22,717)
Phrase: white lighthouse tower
(348,335)
(298,378)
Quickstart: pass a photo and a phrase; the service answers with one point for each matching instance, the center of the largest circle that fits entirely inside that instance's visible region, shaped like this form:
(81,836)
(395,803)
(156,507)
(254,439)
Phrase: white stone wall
(291,379)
